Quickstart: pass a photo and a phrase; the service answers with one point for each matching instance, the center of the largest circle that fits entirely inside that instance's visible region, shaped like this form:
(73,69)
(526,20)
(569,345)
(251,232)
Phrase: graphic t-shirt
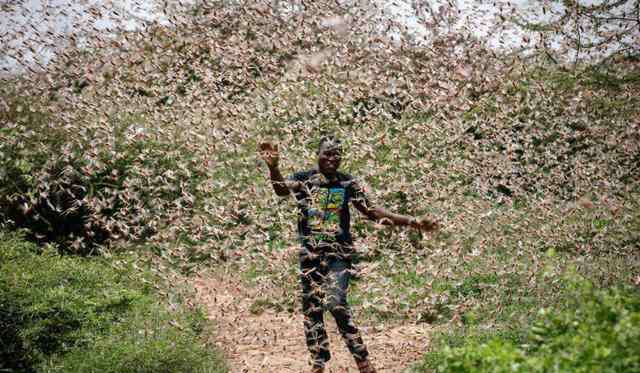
(324,207)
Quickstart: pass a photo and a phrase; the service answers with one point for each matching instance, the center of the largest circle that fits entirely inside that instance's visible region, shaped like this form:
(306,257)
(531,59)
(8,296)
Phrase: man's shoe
(365,367)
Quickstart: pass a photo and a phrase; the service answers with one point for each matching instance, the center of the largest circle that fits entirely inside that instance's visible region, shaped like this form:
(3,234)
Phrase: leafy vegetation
(596,330)
(81,190)
(70,314)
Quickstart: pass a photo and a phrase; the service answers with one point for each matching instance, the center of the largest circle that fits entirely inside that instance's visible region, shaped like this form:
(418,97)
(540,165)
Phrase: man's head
(329,155)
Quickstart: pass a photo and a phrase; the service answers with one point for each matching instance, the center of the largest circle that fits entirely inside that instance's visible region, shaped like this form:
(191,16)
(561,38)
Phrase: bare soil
(273,341)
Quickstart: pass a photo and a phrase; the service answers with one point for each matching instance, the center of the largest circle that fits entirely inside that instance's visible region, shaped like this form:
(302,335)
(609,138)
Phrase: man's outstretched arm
(271,157)
(386,217)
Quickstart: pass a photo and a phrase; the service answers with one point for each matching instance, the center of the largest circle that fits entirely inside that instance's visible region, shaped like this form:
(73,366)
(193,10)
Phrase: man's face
(329,157)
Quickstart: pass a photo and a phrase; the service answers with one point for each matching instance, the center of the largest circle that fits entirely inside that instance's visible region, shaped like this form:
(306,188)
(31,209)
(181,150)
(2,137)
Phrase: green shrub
(597,331)
(73,314)
(80,188)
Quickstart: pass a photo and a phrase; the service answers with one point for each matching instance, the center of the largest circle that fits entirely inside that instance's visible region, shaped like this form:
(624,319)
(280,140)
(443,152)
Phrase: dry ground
(273,341)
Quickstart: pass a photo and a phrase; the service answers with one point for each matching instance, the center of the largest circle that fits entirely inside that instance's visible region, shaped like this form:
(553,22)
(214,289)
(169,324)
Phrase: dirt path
(274,342)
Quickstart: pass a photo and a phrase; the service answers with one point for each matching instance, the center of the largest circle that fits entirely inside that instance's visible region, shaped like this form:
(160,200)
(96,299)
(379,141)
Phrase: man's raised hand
(269,153)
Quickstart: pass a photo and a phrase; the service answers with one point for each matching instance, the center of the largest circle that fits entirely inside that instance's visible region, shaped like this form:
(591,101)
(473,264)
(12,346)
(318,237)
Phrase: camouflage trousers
(325,279)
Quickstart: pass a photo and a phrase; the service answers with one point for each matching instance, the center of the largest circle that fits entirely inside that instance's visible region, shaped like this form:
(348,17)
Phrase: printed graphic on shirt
(324,213)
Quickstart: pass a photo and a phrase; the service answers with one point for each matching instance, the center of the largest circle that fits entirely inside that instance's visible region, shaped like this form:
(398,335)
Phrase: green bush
(597,331)
(73,314)
(80,188)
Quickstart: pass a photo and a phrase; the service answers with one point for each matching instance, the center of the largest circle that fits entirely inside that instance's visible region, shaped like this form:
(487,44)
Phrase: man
(323,195)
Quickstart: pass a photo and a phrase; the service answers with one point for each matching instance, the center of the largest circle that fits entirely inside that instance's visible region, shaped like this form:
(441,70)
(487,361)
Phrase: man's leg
(314,330)
(337,285)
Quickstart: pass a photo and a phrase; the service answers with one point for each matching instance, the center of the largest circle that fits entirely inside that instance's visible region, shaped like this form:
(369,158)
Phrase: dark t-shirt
(324,216)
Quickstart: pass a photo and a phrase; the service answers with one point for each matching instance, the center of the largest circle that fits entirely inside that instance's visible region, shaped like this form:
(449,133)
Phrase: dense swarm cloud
(152,134)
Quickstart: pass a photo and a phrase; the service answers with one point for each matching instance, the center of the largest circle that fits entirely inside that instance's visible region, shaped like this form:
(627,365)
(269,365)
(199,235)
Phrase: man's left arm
(385,217)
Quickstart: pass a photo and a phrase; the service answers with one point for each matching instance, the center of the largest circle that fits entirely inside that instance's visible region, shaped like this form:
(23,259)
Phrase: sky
(32,30)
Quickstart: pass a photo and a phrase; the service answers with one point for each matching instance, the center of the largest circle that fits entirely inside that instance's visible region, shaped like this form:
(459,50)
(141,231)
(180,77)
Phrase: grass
(592,331)
(70,314)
